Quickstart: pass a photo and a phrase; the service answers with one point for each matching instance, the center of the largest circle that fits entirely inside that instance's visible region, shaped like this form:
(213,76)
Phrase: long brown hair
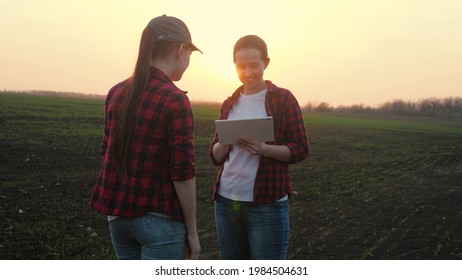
(125,117)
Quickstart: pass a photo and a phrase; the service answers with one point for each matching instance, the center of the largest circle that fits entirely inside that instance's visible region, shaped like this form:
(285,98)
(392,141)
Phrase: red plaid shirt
(273,181)
(162,151)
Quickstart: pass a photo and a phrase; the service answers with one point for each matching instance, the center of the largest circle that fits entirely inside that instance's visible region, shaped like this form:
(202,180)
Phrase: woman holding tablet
(253,183)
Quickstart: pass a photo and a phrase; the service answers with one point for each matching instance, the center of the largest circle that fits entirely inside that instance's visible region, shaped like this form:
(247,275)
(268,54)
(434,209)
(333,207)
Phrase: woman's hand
(257,148)
(254,147)
(193,247)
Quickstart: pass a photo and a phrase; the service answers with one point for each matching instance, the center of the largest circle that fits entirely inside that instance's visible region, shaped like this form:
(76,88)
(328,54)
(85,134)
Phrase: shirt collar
(237,93)
(159,74)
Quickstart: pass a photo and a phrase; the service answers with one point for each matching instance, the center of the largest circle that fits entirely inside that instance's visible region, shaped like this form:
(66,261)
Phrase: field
(372,188)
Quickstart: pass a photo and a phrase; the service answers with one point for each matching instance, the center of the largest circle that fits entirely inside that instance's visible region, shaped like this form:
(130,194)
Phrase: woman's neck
(254,90)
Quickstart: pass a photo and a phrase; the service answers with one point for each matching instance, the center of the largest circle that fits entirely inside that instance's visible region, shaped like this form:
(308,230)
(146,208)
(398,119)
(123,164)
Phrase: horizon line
(313,104)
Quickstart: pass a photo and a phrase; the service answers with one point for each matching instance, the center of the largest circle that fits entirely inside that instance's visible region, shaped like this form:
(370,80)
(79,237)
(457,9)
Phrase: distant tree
(324,107)
(309,107)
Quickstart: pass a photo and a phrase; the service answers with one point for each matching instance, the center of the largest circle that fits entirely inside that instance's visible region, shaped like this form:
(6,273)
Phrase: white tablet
(260,129)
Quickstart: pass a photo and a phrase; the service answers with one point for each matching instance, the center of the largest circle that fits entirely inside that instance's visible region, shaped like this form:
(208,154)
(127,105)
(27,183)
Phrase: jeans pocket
(283,204)
(156,226)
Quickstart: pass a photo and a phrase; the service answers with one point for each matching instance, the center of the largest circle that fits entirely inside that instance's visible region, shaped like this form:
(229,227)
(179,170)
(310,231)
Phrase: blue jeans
(248,231)
(148,237)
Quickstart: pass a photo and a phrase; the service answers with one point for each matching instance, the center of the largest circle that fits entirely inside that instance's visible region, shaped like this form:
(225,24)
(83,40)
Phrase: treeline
(55,93)
(450,107)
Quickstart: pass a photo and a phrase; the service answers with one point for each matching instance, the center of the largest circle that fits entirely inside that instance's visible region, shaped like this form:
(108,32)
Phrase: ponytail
(125,118)
(134,87)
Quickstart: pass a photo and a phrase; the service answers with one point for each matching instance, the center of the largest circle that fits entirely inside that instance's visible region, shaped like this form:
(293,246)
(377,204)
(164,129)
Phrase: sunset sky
(342,52)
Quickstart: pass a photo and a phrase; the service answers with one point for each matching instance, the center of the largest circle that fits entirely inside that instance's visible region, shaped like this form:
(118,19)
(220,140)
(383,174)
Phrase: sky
(343,52)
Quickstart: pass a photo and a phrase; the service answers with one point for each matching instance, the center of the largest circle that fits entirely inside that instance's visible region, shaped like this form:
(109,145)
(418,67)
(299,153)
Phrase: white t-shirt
(240,169)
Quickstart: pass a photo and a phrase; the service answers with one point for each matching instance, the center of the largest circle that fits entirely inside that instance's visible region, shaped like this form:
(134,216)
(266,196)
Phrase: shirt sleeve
(297,136)
(107,119)
(181,134)
(216,140)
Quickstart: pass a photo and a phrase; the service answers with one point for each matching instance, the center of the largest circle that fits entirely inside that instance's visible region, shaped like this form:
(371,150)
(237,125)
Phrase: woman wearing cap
(253,183)
(147,181)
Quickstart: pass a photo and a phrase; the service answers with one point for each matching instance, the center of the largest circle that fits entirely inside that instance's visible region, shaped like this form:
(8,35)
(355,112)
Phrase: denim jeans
(248,231)
(149,237)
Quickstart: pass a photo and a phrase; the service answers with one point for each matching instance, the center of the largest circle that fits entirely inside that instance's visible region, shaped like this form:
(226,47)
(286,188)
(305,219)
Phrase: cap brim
(196,49)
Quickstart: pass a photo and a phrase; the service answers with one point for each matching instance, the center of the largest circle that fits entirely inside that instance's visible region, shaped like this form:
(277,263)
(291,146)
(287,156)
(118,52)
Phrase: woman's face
(250,68)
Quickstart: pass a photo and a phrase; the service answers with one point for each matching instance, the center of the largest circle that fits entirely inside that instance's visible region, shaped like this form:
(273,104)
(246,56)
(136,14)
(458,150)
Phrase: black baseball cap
(171,29)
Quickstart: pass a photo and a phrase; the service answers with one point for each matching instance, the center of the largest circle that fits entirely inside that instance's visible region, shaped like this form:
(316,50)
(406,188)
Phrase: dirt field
(385,190)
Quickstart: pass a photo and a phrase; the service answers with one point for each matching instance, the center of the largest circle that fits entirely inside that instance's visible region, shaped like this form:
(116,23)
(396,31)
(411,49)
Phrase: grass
(372,188)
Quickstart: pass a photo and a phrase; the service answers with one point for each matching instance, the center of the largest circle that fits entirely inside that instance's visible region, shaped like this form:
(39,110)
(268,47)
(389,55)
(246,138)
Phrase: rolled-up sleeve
(223,115)
(296,136)
(181,139)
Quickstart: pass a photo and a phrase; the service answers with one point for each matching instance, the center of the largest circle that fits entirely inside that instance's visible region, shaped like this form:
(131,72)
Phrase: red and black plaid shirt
(273,181)
(161,151)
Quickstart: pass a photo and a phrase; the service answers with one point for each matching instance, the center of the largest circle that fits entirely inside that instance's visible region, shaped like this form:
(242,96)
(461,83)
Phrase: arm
(297,140)
(186,191)
(220,152)
(182,167)
(107,125)
(110,98)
